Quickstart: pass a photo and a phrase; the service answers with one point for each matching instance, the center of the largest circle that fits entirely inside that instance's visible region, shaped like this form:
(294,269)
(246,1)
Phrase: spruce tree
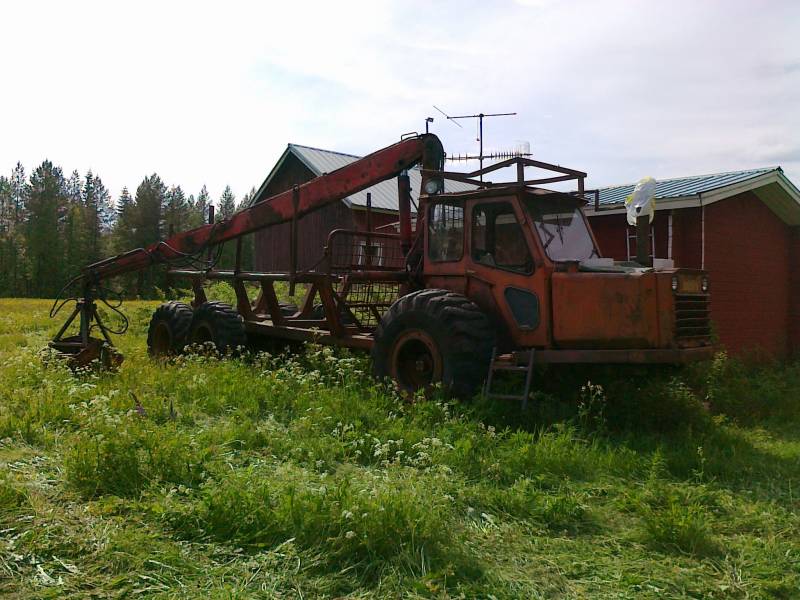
(249,241)
(98,215)
(6,229)
(46,214)
(146,226)
(16,245)
(226,209)
(176,211)
(199,214)
(227,204)
(74,186)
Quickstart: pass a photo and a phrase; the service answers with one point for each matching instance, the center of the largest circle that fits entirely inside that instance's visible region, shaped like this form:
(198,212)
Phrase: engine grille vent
(692,319)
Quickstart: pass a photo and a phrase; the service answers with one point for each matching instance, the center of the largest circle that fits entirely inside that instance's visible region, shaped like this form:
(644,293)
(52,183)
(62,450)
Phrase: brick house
(744,229)
(299,164)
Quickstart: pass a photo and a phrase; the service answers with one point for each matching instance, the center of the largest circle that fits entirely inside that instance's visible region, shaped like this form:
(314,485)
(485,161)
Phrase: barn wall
(272,244)
(379,219)
(747,258)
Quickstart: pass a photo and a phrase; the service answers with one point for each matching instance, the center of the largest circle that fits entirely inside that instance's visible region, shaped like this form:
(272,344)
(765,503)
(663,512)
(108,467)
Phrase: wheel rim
(416,360)
(162,339)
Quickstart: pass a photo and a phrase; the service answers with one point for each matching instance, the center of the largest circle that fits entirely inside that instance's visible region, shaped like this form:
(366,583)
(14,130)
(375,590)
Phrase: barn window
(369,255)
(446,232)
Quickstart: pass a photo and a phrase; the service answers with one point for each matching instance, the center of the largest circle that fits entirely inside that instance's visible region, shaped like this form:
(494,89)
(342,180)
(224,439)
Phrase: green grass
(297,476)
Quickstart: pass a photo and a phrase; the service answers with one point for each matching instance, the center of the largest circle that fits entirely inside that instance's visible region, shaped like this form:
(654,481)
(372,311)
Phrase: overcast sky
(211,92)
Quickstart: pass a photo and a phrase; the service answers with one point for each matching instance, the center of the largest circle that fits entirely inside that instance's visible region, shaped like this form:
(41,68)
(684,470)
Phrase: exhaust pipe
(404,204)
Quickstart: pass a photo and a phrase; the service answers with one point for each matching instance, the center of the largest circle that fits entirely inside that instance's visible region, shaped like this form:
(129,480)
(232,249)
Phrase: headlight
(674,283)
(704,284)
(433,186)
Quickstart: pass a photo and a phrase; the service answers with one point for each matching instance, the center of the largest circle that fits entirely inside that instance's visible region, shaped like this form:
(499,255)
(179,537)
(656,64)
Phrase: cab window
(497,239)
(446,232)
(562,228)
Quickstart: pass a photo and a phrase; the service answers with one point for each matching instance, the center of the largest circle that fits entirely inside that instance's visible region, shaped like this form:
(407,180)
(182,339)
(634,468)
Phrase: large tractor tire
(169,329)
(220,324)
(433,336)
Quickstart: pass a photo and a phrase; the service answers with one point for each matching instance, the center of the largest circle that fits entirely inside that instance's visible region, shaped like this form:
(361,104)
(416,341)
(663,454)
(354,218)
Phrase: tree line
(52,225)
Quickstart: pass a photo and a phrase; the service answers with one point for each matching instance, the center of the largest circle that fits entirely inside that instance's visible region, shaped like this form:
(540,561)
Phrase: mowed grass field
(298,476)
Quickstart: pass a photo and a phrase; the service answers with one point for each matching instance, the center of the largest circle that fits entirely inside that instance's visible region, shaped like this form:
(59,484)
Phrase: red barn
(299,164)
(744,229)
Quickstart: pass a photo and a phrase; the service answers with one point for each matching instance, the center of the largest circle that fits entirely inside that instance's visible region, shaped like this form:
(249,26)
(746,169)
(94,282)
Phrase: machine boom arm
(295,203)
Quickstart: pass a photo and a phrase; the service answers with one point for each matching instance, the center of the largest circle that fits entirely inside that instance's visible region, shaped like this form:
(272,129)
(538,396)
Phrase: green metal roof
(683,186)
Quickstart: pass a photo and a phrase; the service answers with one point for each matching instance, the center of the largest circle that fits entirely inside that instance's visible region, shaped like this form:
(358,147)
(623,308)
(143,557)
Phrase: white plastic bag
(642,202)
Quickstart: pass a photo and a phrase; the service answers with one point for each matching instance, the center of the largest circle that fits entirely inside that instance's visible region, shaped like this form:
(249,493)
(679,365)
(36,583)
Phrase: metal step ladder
(508,362)
(630,235)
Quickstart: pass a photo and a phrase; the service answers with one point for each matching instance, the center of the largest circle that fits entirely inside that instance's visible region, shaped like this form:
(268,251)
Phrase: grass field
(300,477)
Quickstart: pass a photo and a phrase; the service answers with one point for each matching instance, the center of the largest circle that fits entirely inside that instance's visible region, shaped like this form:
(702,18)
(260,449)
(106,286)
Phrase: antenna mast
(480,117)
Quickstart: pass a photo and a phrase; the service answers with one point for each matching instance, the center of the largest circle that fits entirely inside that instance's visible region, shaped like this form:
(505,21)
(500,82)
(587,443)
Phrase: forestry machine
(503,275)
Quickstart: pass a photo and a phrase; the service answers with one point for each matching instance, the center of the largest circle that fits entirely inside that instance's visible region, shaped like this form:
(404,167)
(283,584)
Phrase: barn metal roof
(384,194)
(683,186)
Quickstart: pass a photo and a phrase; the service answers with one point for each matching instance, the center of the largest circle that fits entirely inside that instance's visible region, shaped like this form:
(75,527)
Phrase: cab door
(505,273)
(445,245)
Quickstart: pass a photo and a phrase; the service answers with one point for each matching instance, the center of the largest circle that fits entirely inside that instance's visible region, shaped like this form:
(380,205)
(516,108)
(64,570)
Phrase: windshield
(562,228)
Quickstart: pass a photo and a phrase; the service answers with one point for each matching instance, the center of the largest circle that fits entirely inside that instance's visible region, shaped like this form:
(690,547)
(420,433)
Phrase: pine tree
(46,213)
(98,216)
(199,214)
(105,207)
(226,209)
(247,199)
(74,187)
(16,245)
(6,244)
(19,193)
(176,211)
(146,226)
(227,204)
(249,241)
(123,204)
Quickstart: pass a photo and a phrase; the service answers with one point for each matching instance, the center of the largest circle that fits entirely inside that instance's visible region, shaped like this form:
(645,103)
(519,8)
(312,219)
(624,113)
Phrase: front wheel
(434,336)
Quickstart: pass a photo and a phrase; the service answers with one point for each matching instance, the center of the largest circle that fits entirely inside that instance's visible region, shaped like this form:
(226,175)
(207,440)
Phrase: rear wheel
(169,329)
(219,324)
(434,336)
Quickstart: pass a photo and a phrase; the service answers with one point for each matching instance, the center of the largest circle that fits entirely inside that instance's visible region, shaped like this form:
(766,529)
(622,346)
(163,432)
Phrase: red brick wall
(747,258)
(687,238)
(610,231)
(753,261)
(794,290)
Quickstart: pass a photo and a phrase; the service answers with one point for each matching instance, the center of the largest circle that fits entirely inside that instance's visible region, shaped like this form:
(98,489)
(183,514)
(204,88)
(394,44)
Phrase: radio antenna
(448,117)
(480,117)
